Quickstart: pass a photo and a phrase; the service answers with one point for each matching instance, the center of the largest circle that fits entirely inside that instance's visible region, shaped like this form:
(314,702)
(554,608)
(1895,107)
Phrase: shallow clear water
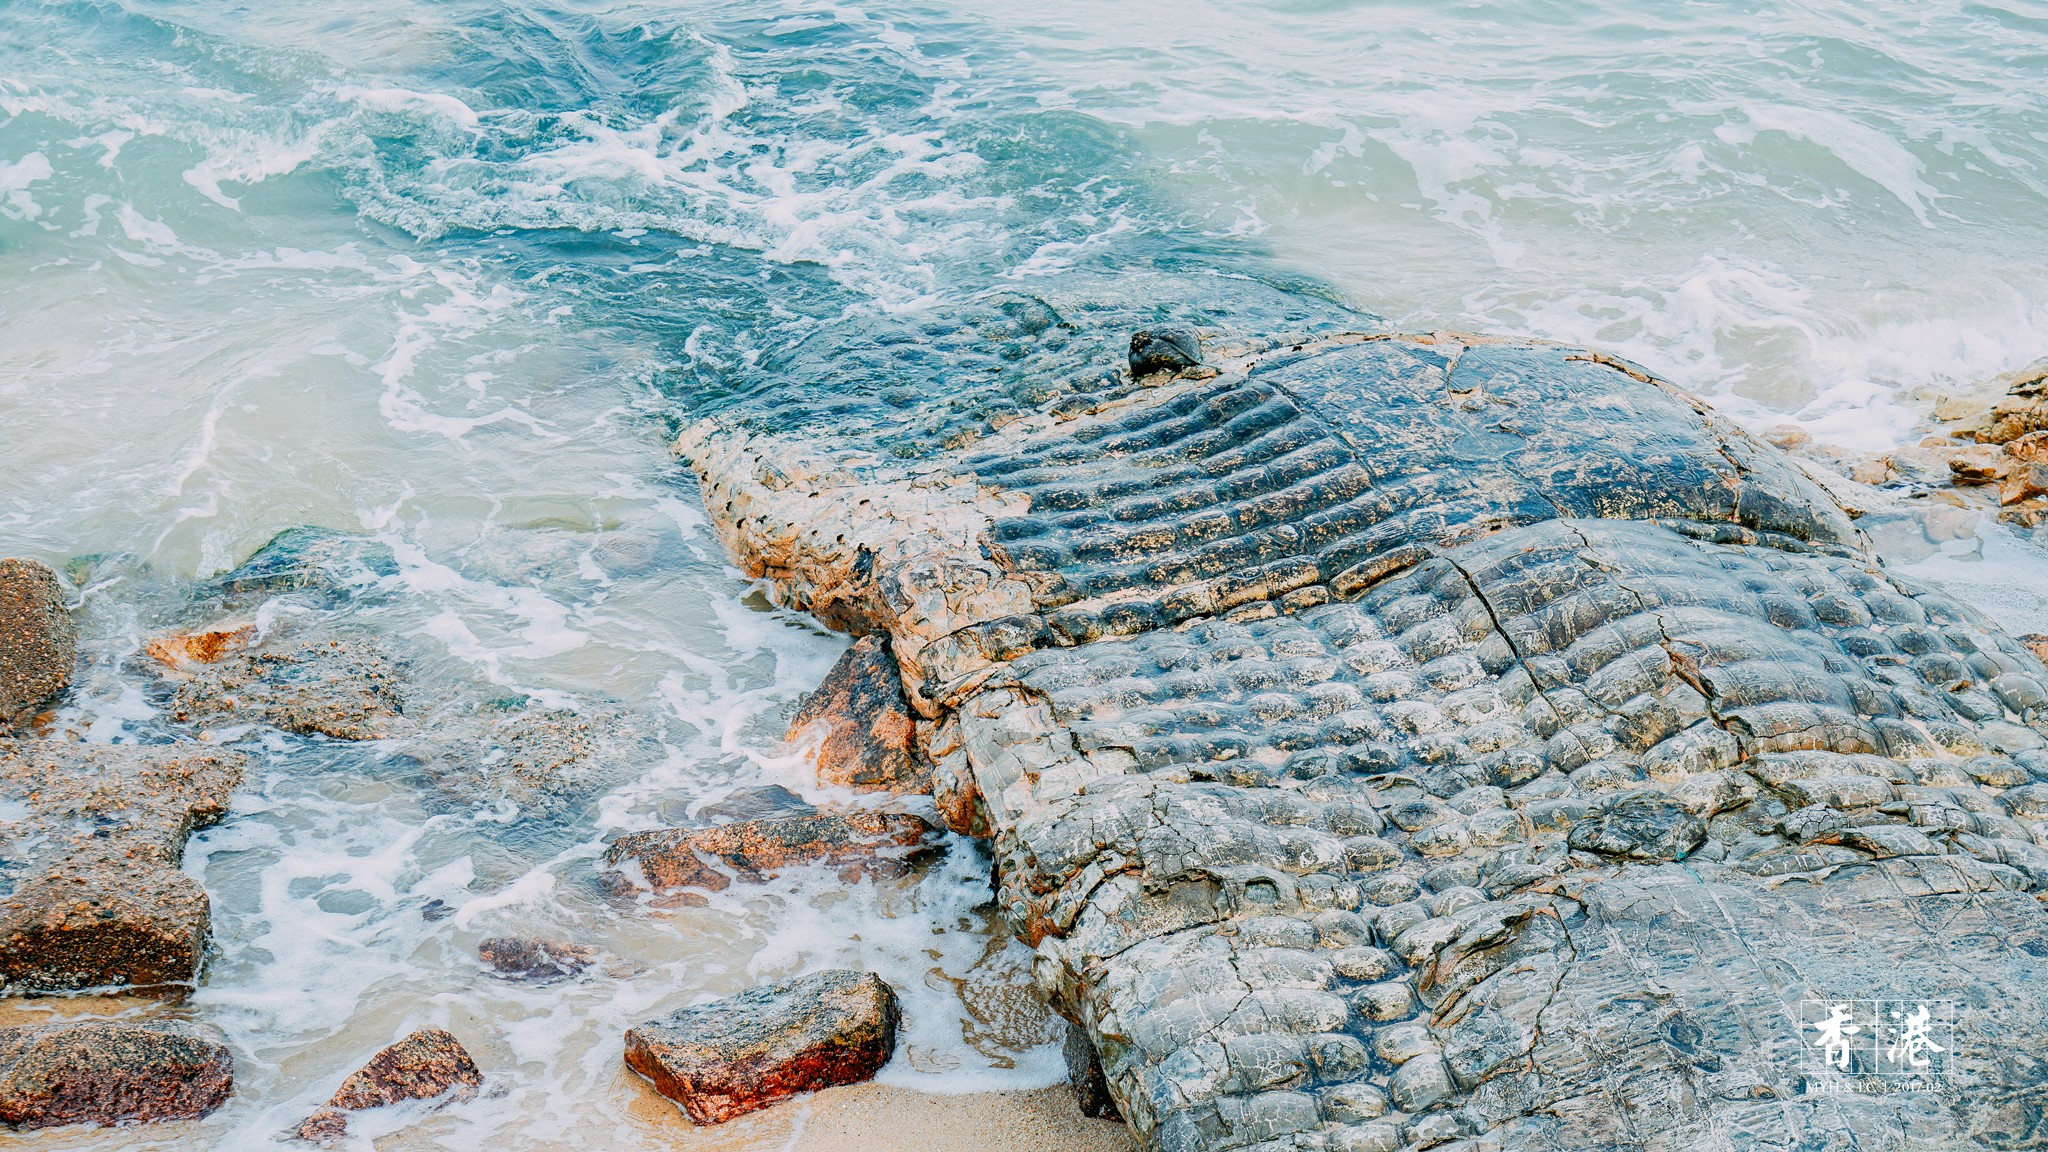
(451,273)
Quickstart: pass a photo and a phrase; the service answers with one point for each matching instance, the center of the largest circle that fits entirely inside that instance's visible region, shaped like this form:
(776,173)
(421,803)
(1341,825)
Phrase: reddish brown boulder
(870,733)
(676,857)
(732,1056)
(38,644)
(424,1065)
(108,1072)
(98,899)
(524,958)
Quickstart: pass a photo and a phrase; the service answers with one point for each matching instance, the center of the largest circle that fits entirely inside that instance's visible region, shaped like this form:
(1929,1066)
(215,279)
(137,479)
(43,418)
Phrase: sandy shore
(879,1118)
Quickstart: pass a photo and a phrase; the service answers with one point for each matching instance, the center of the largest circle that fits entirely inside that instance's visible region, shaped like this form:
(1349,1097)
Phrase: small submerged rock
(673,858)
(38,643)
(870,742)
(427,1064)
(92,892)
(746,1052)
(536,961)
(349,689)
(111,1072)
(310,558)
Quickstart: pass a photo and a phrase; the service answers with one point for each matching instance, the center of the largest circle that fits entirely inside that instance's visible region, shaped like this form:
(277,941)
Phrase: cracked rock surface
(1430,741)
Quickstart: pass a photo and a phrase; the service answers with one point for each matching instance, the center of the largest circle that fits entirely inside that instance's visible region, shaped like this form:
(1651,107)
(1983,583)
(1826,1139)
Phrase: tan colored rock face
(427,1064)
(869,733)
(38,644)
(1417,739)
(745,1052)
(94,897)
(107,1072)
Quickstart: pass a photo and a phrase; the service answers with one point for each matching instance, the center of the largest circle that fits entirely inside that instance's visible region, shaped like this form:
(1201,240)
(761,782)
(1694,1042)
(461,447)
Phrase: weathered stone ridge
(90,891)
(1404,741)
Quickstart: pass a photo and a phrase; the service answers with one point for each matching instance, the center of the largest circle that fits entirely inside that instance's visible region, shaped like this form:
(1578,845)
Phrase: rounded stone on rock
(1451,899)
(1353,1102)
(1419,1083)
(1377,1136)
(1423,940)
(1401,1043)
(1387,891)
(1363,963)
(1385,1000)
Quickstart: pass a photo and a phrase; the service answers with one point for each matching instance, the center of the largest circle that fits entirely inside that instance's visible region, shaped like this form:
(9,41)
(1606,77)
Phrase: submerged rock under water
(1397,740)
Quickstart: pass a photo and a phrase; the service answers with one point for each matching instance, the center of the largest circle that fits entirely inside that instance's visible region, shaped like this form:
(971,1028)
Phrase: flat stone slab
(38,642)
(746,1052)
(111,1072)
(427,1064)
(1395,741)
(672,858)
(90,891)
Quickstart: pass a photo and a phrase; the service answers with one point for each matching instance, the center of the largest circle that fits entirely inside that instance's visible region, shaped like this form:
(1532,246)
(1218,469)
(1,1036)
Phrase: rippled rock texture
(428,1064)
(38,644)
(745,1052)
(107,1072)
(90,891)
(1392,742)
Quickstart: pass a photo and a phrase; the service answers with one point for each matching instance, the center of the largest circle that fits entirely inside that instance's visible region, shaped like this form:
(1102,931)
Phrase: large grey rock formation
(1394,742)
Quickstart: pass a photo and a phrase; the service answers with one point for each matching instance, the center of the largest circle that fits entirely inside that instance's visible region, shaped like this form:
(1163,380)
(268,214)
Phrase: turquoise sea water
(450,273)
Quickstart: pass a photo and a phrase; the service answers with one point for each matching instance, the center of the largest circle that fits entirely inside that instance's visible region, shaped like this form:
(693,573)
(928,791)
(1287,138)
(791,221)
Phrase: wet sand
(882,1118)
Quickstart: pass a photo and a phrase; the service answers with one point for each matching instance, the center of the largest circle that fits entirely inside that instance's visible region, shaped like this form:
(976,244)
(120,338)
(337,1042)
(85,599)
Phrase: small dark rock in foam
(38,644)
(110,1072)
(424,1065)
(871,734)
(673,857)
(93,895)
(524,958)
(732,1056)
(1164,350)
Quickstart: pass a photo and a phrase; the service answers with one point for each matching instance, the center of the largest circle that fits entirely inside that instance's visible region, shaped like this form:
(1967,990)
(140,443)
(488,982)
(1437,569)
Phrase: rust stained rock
(427,1064)
(92,895)
(746,1052)
(38,642)
(111,1072)
(672,858)
(869,733)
